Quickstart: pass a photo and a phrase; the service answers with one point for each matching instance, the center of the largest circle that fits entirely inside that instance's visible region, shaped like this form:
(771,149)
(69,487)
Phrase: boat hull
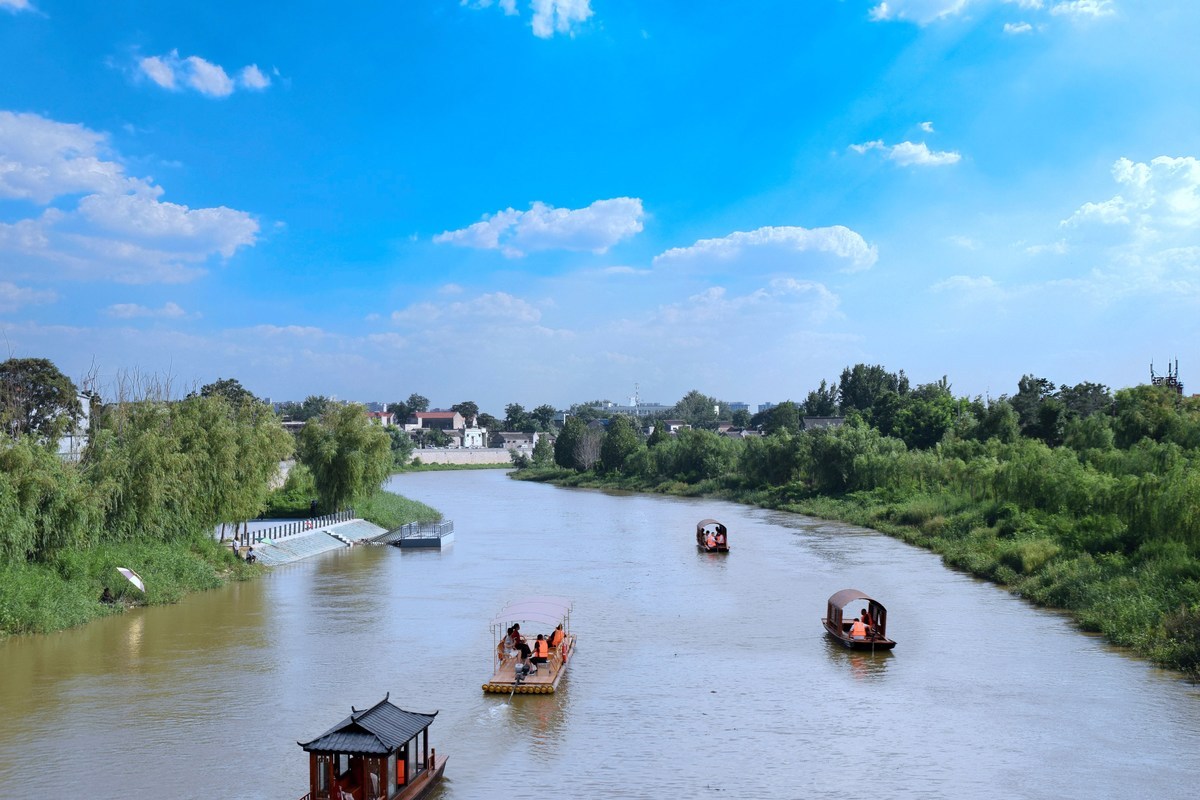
(875,643)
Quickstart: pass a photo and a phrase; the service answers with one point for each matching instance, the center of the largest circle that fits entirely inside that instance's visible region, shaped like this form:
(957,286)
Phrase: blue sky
(559,200)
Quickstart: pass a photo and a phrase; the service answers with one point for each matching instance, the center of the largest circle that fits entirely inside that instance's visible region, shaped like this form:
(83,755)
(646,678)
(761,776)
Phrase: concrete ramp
(285,550)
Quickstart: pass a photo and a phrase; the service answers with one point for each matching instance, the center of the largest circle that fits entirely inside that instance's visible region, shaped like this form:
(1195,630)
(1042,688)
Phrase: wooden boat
(381,753)
(840,628)
(712,536)
(513,673)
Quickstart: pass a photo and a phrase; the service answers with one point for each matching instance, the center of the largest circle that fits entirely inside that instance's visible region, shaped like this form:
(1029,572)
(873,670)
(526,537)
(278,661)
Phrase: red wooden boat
(872,633)
(380,753)
(712,536)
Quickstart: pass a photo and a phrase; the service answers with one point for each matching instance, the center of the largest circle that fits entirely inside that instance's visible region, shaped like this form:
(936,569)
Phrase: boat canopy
(546,609)
(704,523)
(845,596)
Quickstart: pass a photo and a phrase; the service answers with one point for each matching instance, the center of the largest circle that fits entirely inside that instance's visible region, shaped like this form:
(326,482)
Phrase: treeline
(1074,497)
(152,479)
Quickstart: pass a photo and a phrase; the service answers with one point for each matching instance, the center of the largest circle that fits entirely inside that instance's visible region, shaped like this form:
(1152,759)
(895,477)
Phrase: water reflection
(863,665)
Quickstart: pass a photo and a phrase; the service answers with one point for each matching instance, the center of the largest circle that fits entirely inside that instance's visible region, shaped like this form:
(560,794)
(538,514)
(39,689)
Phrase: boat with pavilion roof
(379,753)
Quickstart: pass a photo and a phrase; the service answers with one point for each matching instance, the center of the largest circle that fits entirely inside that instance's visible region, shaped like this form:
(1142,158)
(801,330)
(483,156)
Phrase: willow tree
(348,455)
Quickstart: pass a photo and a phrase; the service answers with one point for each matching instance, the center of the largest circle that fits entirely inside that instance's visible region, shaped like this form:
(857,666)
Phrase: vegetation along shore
(154,482)
(1071,497)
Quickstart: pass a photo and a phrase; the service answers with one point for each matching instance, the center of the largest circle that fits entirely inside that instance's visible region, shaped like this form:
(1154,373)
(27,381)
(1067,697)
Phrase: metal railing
(420,530)
(301,525)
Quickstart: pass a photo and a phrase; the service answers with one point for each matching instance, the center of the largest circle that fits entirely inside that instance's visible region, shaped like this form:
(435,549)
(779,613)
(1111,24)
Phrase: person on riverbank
(106,597)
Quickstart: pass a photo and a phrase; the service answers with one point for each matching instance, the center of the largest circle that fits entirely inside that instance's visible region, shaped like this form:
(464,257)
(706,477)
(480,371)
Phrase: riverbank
(1135,602)
(64,590)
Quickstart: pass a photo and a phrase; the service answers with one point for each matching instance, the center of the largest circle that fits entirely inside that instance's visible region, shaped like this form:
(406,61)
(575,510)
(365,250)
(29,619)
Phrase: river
(696,675)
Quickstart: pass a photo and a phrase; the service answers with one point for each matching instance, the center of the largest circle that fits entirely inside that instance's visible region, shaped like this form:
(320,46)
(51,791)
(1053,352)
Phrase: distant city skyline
(544,202)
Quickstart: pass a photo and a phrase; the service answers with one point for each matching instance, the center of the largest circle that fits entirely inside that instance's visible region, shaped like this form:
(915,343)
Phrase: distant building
(766,407)
(812,423)
(439,420)
(383,418)
(739,406)
(634,410)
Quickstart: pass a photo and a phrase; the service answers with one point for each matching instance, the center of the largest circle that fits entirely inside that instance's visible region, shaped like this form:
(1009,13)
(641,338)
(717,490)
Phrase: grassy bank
(64,590)
(1140,600)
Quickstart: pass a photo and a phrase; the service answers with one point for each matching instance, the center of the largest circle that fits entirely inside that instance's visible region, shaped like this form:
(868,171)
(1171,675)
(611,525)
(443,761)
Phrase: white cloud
(496,306)
(252,77)
(174,73)
(1028,5)
(13,297)
(558,16)
(774,247)
(1158,198)
(908,154)
(16,5)
(596,228)
(119,229)
(1017,28)
(133,310)
(509,7)
(920,11)
(549,16)
(981,288)
(927,127)
(1084,8)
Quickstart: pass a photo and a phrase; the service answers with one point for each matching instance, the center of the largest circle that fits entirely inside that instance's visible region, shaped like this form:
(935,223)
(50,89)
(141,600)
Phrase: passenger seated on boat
(541,650)
(710,540)
(557,637)
(721,539)
(858,630)
(865,616)
(518,642)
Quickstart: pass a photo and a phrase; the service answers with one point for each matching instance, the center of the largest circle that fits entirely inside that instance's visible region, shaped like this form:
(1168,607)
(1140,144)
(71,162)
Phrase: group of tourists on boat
(531,655)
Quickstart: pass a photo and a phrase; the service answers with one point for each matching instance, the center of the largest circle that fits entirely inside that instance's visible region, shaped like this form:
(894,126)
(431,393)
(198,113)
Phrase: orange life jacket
(556,637)
(858,630)
(540,649)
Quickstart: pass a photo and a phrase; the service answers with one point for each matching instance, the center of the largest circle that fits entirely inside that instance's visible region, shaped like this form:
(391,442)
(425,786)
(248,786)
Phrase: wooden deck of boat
(544,681)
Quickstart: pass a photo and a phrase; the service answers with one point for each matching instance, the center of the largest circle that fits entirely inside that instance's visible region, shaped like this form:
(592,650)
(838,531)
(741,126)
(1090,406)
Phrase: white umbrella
(133,577)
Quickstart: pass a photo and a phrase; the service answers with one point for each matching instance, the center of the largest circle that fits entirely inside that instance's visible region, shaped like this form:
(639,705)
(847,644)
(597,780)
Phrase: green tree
(543,452)
(37,399)
(740,418)
(564,445)
(469,410)
(401,445)
(698,410)
(516,418)
(543,416)
(348,456)
(620,441)
(229,388)
(821,402)
(1032,391)
(861,385)
(783,417)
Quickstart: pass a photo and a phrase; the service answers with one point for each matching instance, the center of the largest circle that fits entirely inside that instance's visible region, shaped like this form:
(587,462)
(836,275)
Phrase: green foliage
(37,400)
(389,510)
(231,389)
(698,410)
(565,444)
(349,456)
(620,441)
(543,452)
(861,385)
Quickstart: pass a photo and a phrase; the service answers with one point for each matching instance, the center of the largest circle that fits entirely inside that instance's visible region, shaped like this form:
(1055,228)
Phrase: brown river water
(695,676)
